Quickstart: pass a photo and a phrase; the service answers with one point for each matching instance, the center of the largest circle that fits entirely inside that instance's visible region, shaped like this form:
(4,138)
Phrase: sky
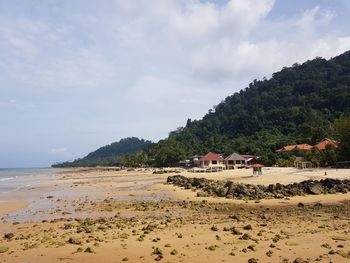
(79,74)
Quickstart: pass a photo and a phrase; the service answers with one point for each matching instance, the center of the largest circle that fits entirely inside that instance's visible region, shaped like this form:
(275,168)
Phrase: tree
(330,155)
(298,104)
(342,126)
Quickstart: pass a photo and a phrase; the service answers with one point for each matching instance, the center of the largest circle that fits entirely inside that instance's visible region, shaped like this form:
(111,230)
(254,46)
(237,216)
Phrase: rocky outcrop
(233,190)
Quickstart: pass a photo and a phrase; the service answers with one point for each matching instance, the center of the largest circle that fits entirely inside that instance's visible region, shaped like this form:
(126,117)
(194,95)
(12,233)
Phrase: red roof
(306,147)
(288,148)
(322,145)
(212,157)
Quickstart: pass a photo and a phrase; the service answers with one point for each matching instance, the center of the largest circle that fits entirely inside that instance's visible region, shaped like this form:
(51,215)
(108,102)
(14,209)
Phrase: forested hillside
(299,104)
(109,155)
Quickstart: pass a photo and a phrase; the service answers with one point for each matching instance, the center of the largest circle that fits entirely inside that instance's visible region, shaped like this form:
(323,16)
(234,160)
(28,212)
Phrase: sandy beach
(11,206)
(98,215)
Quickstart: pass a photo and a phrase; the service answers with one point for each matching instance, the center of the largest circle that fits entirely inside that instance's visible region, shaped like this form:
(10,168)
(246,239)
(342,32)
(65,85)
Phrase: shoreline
(69,187)
(115,216)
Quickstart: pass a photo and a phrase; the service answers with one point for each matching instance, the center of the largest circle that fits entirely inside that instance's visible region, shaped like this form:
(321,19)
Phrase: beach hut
(235,160)
(257,168)
(301,163)
(288,148)
(212,162)
(322,144)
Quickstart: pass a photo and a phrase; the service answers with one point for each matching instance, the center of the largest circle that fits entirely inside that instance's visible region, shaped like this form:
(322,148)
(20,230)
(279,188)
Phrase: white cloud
(195,20)
(210,41)
(226,59)
(315,17)
(158,92)
(45,56)
(198,22)
(245,15)
(109,66)
(248,56)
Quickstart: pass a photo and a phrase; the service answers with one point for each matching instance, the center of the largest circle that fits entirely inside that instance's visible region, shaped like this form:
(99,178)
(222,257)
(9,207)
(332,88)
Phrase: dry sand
(136,217)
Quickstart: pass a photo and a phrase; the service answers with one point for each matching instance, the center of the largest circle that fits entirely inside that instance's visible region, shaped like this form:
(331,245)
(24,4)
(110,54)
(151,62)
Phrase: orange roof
(322,145)
(306,147)
(212,157)
(288,148)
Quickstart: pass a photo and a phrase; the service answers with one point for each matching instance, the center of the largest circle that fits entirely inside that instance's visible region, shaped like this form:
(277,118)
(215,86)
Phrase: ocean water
(17,179)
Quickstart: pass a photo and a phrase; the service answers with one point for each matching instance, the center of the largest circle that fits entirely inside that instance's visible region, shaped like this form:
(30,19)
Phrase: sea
(14,179)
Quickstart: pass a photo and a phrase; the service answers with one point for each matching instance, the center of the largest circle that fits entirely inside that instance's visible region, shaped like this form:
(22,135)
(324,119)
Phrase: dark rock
(89,250)
(248,227)
(269,253)
(159,258)
(8,236)
(202,194)
(235,231)
(157,251)
(230,189)
(214,228)
(74,241)
(300,260)
(245,237)
(316,189)
(236,217)
(318,205)
(251,247)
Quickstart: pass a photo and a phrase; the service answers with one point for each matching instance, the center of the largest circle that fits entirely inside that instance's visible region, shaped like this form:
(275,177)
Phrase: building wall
(205,164)
(234,164)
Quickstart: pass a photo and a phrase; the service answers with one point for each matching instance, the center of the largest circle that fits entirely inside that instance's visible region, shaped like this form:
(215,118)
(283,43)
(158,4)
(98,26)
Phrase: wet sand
(134,216)
(8,207)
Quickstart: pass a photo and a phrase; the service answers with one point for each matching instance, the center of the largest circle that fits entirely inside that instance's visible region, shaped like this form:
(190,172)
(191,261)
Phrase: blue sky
(76,75)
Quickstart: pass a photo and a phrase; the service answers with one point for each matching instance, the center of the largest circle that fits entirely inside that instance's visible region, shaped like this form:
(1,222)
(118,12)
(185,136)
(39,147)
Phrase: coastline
(97,184)
(94,215)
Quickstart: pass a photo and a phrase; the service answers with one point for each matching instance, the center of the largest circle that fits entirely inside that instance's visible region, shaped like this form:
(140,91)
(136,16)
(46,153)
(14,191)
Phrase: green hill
(109,155)
(299,104)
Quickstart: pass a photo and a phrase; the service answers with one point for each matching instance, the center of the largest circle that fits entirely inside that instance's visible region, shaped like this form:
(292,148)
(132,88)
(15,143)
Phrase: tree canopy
(298,104)
(109,155)
(342,126)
